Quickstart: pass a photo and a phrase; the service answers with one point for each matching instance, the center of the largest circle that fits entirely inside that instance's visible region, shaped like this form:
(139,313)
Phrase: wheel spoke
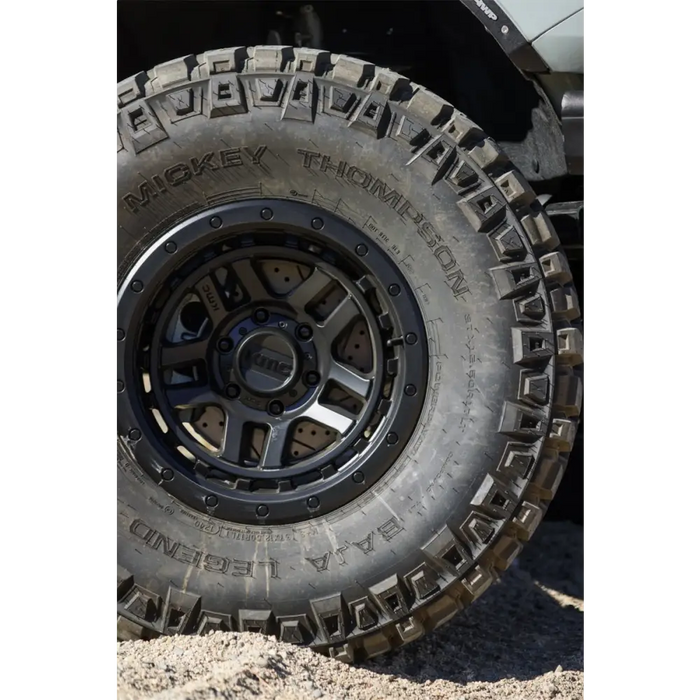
(212,298)
(250,280)
(341,316)
(183,353)
(302,294)
(275,442)
(329,416)
(233,437)
(349,379)
(190,395)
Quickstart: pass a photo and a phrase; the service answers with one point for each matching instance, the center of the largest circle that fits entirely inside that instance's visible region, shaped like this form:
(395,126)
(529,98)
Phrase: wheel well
(437,44)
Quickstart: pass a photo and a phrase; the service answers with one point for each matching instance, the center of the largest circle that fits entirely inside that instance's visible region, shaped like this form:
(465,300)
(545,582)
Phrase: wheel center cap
(267,361)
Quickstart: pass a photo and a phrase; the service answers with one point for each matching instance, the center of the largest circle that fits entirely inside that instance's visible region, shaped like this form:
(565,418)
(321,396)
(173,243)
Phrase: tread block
(364,613)
(477,581)
(225,60)
(495,498)
(214,622)
(565,304)
(262,621)
(484,209)
(131,89)
(507,243)
(556,268)
(352,71)
(529,310)
(562,433)
(504,552)
(462,177)
(486,154)
(424,581)
(391,596)
(376,644)
(459,128)
(547,477)
(339,100)
(271,59)
(515,188)
(517,462)
(534,387)
(440,153)
(522,423)
(441,611)
(426,105)
(569,394)
(526,520)
(265,91)
(342,652)
(295,629)
(181,611)
(182,104)
(143,604)
(372,116)
(448,551)
(125,582)
(301,99)
(478,531)
(175,72)
(410,629)
(332,616)
(569,346)
(540,231)
(515,279)
(225,96)
(531,346)
(142,126)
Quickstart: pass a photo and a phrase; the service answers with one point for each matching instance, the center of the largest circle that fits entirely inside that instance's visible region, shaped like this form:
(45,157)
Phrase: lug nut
(313,503)
(167,475)
(392,438)
(261,316)
(276,408)
(411,338)
(361,250)
(317,224)
(211,500)
(410,390)
(304,332)
(312,378)
(233,391)
(262,510)
(224,345)
(266,214)
(215,222)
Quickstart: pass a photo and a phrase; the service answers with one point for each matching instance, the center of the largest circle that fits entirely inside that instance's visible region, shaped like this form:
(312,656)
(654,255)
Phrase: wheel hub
(266,362)
(273,370)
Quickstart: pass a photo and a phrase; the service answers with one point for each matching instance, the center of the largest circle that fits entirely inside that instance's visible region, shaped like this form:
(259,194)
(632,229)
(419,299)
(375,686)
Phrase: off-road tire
(500,313)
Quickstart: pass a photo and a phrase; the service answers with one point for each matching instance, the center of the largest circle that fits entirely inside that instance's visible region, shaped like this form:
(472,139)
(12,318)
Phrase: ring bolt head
(411,338)
(312,378)
(276,408)
(261,316)
(410,390)
(211,501)
(304,332)
(224,345)
(262,510)
(167,475)
(233,391)
(394,290)
(313,503)
(392,438)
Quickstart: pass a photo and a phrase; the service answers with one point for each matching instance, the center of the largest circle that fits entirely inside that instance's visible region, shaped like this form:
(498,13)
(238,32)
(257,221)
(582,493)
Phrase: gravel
(522,639)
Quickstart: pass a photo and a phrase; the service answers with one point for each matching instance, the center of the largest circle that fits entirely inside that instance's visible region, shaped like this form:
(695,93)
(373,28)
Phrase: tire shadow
(525,625)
